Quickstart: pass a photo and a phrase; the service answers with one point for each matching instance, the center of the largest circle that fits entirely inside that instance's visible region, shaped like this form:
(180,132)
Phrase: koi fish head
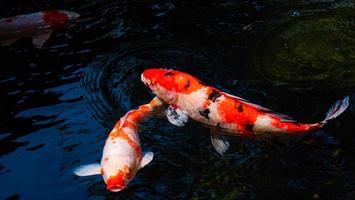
(117,171)
(58,18)
(119,163)
(167,84)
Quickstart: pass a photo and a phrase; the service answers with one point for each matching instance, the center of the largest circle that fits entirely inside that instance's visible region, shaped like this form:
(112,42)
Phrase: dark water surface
(59,103)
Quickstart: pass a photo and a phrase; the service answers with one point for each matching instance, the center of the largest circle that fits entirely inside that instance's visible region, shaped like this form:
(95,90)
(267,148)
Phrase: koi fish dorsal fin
(88,170)
(283,117)
(244,101)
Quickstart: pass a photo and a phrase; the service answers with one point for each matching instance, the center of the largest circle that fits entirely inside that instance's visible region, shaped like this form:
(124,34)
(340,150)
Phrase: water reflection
(312,50)
(59,103)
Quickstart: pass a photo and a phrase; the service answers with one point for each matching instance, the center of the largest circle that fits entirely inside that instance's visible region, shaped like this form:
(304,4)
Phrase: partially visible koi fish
(189,97)
(39,26)
(122,154)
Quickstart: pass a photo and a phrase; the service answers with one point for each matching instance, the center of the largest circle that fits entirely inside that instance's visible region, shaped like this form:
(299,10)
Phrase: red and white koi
(122,154)
(39,26)
(189,97)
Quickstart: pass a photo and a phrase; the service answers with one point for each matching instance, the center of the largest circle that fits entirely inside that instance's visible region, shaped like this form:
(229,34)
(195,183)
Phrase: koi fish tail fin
(338,108)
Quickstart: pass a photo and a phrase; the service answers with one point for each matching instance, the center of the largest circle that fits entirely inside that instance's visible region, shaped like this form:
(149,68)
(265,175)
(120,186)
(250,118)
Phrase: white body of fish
(29,26)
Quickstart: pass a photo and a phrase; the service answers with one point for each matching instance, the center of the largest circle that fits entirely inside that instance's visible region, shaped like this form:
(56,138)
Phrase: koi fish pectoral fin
(219,142)
(39,39)
(176,116)
(88,170)
(146,159)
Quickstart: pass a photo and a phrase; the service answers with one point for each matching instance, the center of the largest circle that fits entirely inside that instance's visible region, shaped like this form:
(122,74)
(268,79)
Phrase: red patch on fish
(137,116)
(123,135)
(173,80)
(55,19)
(229,110)
(117,181)
(294,127)
(9,20)
(186,84)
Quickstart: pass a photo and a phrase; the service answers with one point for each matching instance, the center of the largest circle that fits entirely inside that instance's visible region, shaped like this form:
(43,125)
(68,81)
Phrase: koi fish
(122,154)
(188,97)
(39,26)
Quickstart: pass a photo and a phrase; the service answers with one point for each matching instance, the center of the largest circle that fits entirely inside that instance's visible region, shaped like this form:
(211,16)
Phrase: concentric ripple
(113,82)
(312,49)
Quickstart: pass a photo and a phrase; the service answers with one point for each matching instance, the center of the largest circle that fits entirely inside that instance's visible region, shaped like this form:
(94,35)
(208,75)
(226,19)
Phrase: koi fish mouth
(116,184)
(115,188)
(148,84)
(145,80)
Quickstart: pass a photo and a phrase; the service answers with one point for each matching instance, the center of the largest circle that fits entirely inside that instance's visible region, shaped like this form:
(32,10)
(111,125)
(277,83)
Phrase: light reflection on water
(60,103)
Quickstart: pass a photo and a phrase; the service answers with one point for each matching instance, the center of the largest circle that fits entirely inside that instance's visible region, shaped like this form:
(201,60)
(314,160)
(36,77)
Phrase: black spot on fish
(218,125)
(214,95)
(249,126)
(240,108)
(187,85)
(168,74)
(205,113)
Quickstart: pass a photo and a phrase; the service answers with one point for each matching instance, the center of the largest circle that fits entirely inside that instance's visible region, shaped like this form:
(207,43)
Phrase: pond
(59,102)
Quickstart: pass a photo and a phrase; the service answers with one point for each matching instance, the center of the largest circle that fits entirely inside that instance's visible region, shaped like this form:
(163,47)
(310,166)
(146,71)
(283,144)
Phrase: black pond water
(59,103)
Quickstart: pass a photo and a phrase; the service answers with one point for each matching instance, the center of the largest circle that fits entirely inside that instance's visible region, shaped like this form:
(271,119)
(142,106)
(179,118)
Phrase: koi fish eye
(169,74)
(130,170)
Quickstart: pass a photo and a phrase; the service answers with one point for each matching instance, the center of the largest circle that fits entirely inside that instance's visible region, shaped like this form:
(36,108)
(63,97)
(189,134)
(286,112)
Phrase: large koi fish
(37,26)
(122,154)
(188,97)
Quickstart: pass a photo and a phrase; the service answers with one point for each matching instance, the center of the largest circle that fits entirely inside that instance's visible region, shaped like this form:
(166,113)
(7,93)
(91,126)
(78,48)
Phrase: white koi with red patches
(122,154)
(37,26)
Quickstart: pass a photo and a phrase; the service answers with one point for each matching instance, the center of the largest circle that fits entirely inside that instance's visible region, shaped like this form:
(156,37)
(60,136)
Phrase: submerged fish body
(189,97)
(37,25)
(122,154)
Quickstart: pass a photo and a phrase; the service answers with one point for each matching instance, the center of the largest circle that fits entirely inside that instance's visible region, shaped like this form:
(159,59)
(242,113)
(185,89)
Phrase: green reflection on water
(314,51)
